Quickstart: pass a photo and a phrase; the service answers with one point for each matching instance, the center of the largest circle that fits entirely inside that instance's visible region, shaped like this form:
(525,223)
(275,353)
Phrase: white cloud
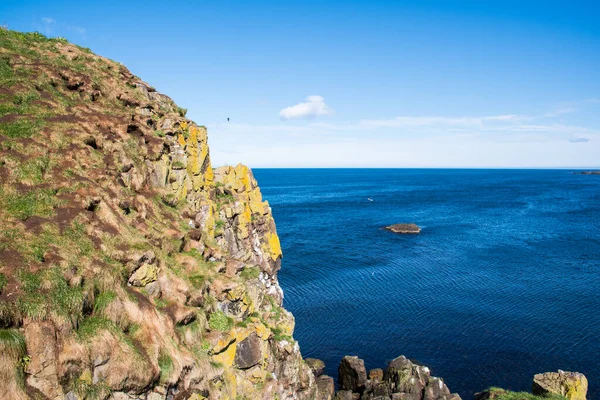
(48,20)
(313,106)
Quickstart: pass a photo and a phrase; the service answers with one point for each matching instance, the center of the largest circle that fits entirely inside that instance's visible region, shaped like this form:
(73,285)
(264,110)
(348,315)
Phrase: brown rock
(325,388)
(404,228)
(376,374)
(352,374)
(248,352)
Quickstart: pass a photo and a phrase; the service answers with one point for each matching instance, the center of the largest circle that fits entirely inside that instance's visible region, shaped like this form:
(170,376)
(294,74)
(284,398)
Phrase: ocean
(502,283)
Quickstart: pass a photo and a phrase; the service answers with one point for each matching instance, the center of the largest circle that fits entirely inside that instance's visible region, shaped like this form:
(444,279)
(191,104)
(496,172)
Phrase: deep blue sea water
(502,283)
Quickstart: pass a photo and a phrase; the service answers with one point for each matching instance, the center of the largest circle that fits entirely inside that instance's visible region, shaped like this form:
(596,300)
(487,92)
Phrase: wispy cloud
(76,29)
(408,121)
(519,140)
(313,106)
(49,26)
(579,140)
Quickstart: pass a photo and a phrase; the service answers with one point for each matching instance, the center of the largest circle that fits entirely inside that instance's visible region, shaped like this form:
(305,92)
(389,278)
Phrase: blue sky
(359,84)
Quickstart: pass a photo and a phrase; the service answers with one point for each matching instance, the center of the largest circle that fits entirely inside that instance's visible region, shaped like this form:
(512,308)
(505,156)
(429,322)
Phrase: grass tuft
(501,394)
(103,300)
(219,321)
(250,273)
(90,326)
(12,343)
(165,363)
(3,281)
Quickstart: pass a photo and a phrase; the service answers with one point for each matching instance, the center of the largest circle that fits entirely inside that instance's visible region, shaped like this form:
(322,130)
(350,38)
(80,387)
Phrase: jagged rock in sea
(402,379)
(352,374)
(572,385)
(404,228)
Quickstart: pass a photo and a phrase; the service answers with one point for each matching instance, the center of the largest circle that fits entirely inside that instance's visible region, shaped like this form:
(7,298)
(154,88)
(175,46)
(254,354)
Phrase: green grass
(48,291)
(91,391)
(279,335)
(90,326)
(3,281)
(161,303)
(250,273)
(103,300)
(218,321)
(75,236)
(165,363)
(40,202)
(35,170)
(197,280)
(225,198)
(21,128)
(12,342)
(501,394)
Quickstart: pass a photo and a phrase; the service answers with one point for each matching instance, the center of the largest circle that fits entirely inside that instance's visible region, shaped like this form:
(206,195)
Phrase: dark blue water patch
(503,282)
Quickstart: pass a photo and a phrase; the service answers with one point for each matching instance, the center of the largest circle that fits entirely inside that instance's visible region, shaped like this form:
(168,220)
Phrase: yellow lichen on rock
(227,356)
(572,385)
(274,245)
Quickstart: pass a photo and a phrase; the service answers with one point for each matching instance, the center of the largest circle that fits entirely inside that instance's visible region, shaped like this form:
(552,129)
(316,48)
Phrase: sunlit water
(502,283)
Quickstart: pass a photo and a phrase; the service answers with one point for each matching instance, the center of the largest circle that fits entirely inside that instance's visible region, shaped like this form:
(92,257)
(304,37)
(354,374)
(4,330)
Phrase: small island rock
(404,228)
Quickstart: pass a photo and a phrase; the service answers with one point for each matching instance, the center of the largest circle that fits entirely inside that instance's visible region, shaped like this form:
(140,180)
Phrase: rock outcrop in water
(404,228)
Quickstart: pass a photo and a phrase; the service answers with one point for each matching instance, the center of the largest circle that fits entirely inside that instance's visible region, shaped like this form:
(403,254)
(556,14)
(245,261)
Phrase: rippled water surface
(502,283)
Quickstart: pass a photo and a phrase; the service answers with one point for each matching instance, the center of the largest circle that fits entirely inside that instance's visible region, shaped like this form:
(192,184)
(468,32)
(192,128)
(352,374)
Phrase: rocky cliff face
(129,266)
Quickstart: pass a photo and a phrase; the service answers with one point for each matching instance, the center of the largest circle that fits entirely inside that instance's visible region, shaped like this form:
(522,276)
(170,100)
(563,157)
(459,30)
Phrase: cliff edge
(128,265)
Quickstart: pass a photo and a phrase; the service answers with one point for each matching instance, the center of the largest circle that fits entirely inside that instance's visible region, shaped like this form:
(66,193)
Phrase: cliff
(129,266)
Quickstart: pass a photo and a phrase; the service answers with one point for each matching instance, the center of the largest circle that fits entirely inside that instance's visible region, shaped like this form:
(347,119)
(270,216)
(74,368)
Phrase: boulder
(404,228)
(317,366)
(248,352)
(352,374)
(572,385)
(325,387)
(376,374)
(346,395)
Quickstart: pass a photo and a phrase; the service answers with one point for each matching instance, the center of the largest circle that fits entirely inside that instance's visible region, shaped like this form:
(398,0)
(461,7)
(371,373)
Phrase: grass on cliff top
(501,394)
(22,205)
